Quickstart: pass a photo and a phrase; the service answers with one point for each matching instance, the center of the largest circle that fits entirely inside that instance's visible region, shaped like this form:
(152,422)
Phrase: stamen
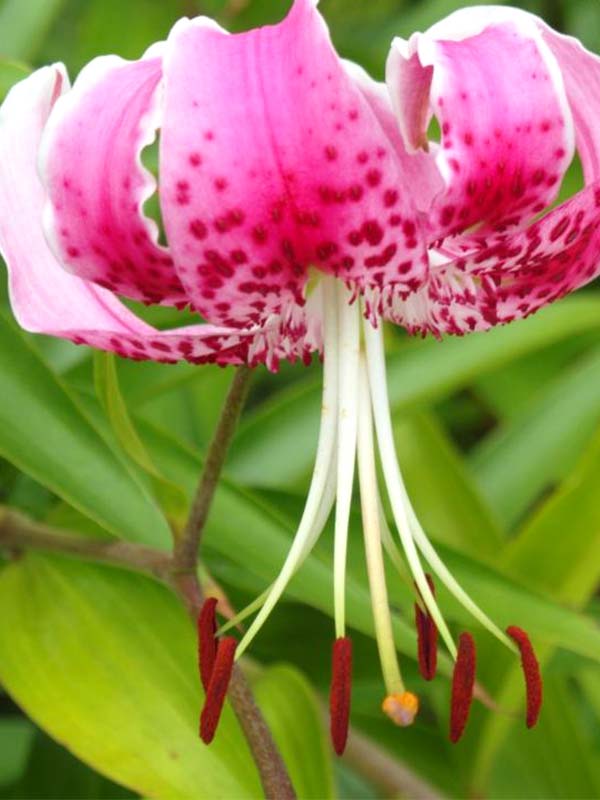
(531,671)
(401,708)
(340,693)
(373,339)
(319,501)
(427,633)
(207,643)
(463,683)
(217,688)
(347,410)
(371,519)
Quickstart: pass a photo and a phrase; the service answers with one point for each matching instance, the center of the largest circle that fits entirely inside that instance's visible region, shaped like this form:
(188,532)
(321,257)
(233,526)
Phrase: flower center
(356,425)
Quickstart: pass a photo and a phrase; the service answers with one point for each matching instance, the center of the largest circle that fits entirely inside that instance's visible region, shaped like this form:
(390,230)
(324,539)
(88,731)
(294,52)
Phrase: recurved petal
(580,70)
(506,126)
(273,160)
(47,299)
(511,276)
(96,184)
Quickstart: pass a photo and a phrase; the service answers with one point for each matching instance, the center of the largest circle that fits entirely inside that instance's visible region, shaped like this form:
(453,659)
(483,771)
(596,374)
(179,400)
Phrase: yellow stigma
(401,708)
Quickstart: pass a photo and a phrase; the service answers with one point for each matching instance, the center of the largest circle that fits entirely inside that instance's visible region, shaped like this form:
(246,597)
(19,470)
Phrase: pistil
(372,536)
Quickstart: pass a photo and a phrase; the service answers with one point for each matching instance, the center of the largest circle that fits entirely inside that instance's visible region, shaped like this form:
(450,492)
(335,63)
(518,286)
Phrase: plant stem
(186,550)
(18,532)
(184,577)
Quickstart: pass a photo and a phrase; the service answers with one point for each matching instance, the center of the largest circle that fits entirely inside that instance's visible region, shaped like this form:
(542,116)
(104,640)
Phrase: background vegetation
(500,440)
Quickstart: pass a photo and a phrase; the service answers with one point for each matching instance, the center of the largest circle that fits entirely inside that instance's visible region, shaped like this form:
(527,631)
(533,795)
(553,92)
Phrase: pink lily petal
(96,184)
(272,160)
(511,276)
(581,74)
(507,130)
(419,169)
(47,299)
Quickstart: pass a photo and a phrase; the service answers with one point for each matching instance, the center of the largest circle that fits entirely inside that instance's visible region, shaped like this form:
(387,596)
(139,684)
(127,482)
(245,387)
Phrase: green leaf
(557,759)
(170,497)
(291,710)
(422,372)
(540,447)
(444,493)
(105,661)
(45,433)
(567,527)
(557,551)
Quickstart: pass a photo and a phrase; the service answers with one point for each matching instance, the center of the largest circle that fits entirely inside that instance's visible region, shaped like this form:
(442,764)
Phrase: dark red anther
(531,671)
(463,683)
(217,688)
(207,642)
(339,695)
(427,636)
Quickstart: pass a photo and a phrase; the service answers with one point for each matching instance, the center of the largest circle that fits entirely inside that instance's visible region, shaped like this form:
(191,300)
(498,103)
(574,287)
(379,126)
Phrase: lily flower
(303,206)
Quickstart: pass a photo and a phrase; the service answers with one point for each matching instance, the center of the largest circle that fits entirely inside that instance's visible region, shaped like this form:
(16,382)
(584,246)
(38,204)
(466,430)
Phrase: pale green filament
(450,582)
(391,471)
(371,520)
(349,351)
(324,462)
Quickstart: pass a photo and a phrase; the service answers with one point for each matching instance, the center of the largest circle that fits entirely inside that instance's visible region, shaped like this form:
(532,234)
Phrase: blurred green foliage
(499,435)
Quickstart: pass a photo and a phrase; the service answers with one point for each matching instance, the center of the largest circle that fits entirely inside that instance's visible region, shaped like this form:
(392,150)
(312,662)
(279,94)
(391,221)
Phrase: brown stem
(18,532)
(186,549)
(273,773)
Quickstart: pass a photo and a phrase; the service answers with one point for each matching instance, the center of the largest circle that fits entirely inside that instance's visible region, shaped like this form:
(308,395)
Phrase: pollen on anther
(207,643)
(340,692)
(217,688)
(401,708)
(531,672)
(463,683)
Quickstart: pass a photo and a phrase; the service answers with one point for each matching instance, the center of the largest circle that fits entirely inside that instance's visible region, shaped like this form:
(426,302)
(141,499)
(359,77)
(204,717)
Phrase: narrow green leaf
(45,433)
(558,550)
(444,493)
(169,496)
(525,457)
